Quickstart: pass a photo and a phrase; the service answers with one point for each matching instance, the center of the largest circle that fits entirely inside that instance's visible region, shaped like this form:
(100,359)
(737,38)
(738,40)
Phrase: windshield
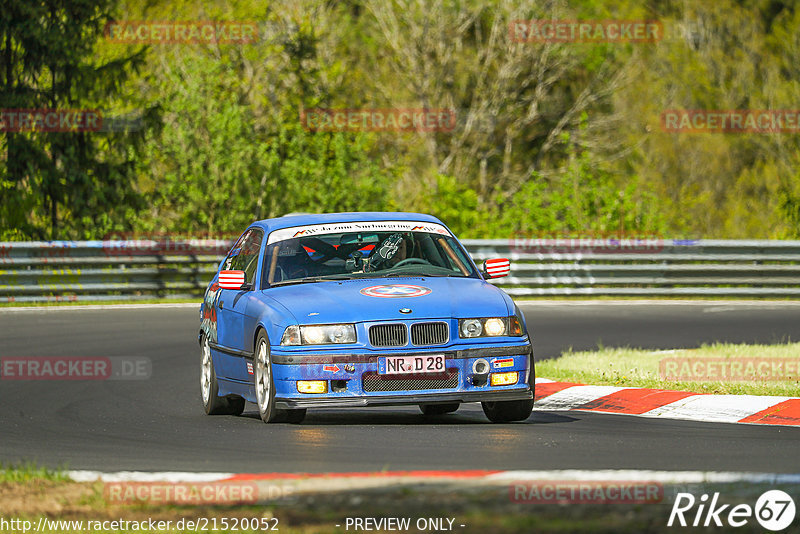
(344,255)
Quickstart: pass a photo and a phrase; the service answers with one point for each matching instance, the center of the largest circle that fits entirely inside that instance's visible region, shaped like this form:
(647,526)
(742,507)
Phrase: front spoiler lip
(397,400)
(364,357)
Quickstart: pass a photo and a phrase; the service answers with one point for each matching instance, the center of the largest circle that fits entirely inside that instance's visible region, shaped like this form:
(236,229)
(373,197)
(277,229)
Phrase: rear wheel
(507,411)
(213,404)
(439,409)
(265,387)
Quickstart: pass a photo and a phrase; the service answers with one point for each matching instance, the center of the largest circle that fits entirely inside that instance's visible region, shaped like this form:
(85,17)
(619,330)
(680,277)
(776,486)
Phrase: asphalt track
(158,424)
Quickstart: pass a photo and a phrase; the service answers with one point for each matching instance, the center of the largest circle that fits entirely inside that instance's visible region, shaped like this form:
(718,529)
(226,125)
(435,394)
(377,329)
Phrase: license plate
(398,365)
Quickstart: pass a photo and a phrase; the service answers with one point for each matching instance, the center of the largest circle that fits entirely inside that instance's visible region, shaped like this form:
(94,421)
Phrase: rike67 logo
(774,510)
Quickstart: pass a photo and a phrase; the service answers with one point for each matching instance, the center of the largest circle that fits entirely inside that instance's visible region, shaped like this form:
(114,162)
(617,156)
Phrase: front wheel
(507,411)
(265,387)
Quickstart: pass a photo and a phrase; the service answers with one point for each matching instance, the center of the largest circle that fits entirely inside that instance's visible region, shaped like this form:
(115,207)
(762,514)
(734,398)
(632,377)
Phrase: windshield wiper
(306,280)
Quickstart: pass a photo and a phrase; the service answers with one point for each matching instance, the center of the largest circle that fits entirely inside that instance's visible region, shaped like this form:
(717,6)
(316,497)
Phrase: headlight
(494,326)
(322,334)
(470,327)
(490,327)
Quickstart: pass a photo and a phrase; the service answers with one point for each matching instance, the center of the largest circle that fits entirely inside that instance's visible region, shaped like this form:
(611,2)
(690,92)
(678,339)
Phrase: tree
(57,184)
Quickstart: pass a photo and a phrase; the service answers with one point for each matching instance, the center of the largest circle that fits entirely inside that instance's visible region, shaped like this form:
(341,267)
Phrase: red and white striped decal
(497,267)
(231,279)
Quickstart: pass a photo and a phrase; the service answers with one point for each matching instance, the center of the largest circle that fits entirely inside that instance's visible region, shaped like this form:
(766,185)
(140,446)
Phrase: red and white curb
(666,404)
(334,481)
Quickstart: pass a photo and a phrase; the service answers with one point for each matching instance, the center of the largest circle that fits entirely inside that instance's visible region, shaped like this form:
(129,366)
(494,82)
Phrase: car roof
(289,221)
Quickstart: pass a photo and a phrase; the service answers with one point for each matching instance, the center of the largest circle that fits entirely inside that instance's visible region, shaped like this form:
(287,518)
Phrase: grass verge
(69,507)
(29,472)
(718,368)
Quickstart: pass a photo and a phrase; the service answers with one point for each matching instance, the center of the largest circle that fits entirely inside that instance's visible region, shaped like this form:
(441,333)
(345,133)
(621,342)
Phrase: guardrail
(170,269)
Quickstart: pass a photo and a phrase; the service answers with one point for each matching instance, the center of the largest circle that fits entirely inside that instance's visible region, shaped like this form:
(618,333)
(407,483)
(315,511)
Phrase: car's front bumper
(409,398)
(348,371)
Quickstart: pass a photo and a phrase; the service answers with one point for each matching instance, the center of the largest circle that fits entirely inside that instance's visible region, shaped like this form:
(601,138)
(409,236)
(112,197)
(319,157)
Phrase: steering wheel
(409,261)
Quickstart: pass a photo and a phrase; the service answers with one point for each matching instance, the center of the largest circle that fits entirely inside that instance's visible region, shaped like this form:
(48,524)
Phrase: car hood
(345,301)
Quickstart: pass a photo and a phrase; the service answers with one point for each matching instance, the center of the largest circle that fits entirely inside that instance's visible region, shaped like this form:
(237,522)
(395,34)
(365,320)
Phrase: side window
(235,250)
(244,256)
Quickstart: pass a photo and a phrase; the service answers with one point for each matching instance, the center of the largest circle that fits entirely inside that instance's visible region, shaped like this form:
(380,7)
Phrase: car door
(232,305)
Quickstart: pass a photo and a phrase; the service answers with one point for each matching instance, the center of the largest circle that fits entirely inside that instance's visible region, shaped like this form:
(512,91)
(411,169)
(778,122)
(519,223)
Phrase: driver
(390,252)
(400,255)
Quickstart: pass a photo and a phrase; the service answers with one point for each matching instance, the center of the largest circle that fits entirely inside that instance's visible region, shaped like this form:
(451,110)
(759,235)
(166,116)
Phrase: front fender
(272,316)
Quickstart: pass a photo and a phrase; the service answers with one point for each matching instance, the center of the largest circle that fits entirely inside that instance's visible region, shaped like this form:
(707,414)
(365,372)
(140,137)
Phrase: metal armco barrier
(108,270)
(169,269)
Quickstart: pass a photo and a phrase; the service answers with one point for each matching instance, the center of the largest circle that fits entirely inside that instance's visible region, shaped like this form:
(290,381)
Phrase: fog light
(312,386)
(480,367)
(504,379)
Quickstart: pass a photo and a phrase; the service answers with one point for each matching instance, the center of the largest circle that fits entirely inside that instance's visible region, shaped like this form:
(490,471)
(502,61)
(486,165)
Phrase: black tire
(508,411)
(439,409)
(265,387)
(213,404)
(236,405)
(295,416)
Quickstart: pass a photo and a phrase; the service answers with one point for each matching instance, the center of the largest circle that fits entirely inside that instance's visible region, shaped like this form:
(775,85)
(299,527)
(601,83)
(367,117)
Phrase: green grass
(29,471)
(641,368)
(480,509)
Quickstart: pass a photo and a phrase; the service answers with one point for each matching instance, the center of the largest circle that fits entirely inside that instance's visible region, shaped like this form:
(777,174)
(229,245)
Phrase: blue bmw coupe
(360,309)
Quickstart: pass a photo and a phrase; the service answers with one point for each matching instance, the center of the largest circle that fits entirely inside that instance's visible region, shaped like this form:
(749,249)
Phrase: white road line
(142,476)
(666,477)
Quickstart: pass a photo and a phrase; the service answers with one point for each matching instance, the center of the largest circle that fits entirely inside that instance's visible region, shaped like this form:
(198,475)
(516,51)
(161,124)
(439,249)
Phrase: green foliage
(583,200)
(455,204)
(28,471)
(551,139)
(55,184)
(234,150)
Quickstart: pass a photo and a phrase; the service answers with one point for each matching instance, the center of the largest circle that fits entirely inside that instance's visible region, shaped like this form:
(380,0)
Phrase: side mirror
(496,267)
(231,279)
